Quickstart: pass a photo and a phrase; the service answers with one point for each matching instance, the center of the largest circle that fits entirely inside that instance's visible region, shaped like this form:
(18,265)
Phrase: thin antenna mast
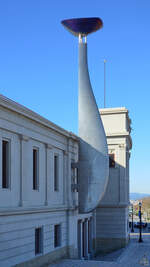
(104,83)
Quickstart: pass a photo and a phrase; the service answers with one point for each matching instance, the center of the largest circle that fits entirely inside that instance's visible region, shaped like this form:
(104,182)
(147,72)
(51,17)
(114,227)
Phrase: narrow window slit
(5,164)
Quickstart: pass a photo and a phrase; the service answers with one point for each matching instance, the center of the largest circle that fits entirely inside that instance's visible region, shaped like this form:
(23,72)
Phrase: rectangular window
(111,160)
(35,168)
(83,239)
(77,179)
(57,235)
(38,240)
(74,179)
(56,173)
(5,164)
(89,236)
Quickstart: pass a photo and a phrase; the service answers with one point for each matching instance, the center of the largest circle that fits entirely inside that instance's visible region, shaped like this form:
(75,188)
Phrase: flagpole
(104,83)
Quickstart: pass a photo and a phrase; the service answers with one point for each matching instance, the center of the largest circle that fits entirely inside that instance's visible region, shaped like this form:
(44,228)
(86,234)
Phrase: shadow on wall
(117,191)
(112,228)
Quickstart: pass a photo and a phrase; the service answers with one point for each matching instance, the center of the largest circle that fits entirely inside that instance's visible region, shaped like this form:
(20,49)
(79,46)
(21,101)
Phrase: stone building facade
(112,230)
(39,217)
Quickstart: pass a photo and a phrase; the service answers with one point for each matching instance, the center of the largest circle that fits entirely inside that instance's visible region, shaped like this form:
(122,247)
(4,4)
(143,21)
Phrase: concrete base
(62,253)
(106,245)
(46,259)
(111,228)
(73,252)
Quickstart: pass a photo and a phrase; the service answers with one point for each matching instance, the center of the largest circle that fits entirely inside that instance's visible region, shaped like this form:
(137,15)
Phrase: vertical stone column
(122,156)
(23,140)
(80,240)
(127,172)
(83,240)
(90,237)
(65,177)
(48,147)
(86,239)
(69,158)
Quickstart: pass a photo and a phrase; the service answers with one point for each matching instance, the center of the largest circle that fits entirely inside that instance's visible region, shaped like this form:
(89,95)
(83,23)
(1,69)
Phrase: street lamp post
(132,227)
(140,229)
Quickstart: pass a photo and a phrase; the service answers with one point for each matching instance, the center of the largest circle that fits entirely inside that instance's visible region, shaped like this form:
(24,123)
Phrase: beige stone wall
(112,213)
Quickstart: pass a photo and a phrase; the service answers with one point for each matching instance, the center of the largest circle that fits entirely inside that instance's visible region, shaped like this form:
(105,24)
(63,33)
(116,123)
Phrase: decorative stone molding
(113,110)
(24,137)
(114,205)
(111,151)
(46,203)
(74,165)
(65,153)
(74,187)
(14,106)
(48,146)
(122,146)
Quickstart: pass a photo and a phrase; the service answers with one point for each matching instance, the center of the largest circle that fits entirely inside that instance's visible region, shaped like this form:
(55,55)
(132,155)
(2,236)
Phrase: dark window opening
(57,235)
(89,236)
(77,178)
(56,173)
(5,164)
(74,177)
(83,239)
(79,239)
(35,169)
(111,160)
(38,240)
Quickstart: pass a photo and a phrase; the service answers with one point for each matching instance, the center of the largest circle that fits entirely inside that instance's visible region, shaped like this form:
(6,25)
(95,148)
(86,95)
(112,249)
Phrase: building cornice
(20,109)
(119,110)
(113,205)
(21,210)
(104,111)
(120,135)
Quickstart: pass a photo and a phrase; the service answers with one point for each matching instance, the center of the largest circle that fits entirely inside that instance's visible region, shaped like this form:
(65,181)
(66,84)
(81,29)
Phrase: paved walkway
(134,255)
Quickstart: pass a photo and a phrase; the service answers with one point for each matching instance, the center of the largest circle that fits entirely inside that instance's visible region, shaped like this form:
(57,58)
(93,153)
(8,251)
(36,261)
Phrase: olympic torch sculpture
(93,166)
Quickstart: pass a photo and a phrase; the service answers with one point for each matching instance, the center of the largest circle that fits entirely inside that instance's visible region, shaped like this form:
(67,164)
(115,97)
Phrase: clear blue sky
(38,64)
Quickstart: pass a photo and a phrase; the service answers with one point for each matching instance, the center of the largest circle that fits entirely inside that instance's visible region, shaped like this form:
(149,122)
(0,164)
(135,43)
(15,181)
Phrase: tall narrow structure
(112,231)
(93,152)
